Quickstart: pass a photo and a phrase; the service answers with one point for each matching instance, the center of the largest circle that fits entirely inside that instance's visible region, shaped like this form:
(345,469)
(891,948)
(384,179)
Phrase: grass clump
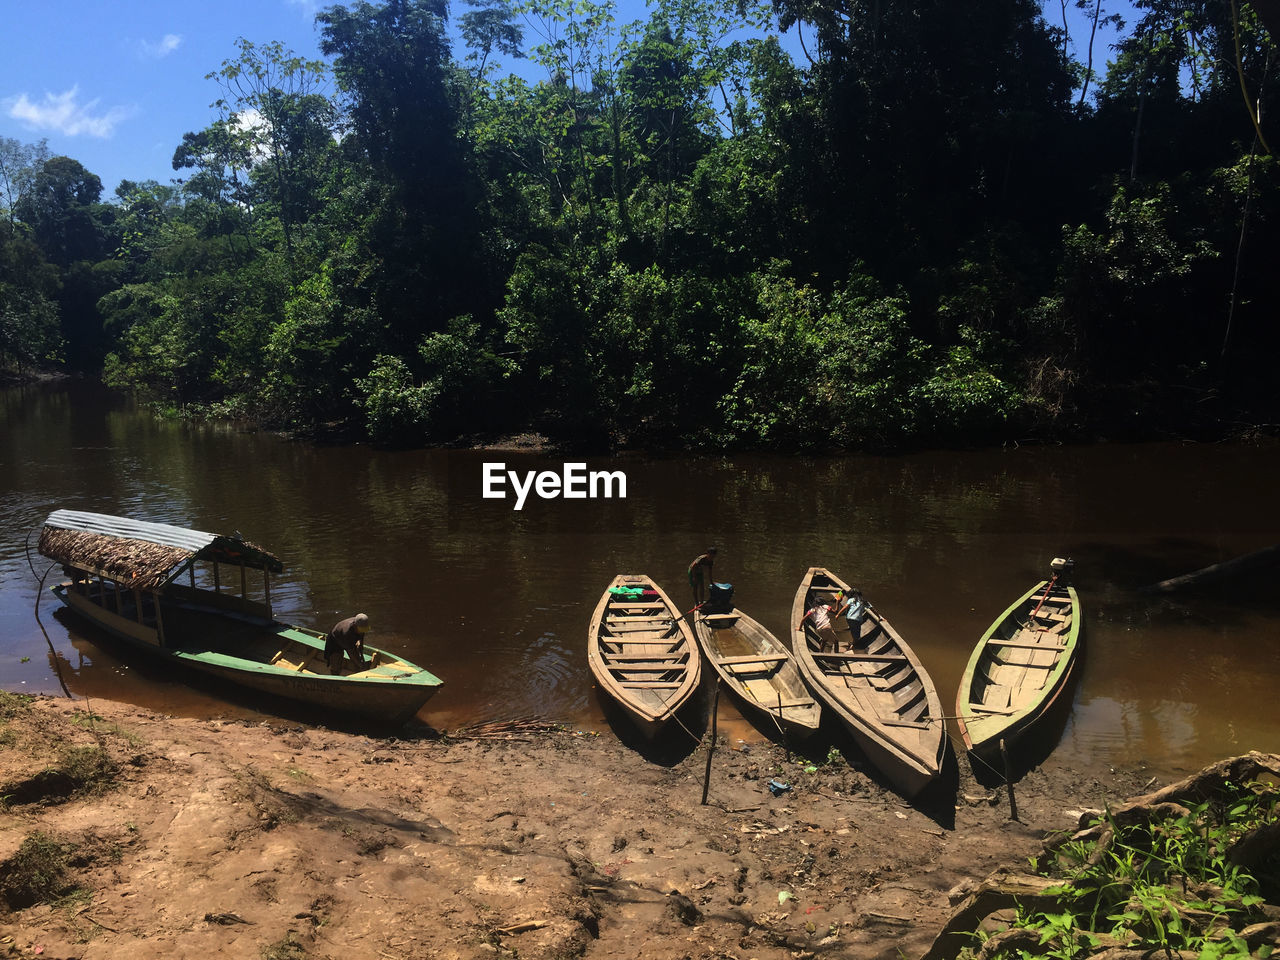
(288,948)
(78,772)
(37,872)
(13,704)
(88,769)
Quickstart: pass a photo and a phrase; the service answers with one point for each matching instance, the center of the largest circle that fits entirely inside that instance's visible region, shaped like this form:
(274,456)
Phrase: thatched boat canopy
(140,555)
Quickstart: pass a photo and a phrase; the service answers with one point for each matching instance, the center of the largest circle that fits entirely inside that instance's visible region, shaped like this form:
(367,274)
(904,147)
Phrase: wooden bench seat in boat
(1050,615)
(806,702)
(650,641)
(1025,644)
(1030,664)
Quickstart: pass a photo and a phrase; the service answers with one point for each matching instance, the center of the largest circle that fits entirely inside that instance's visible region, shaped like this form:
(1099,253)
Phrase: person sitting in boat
(700,574)
(346,637)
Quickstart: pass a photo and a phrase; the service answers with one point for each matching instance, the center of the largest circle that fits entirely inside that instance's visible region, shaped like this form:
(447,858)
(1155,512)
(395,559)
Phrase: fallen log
(1035,893)
(998,892)
(1171,801)
(1218,571)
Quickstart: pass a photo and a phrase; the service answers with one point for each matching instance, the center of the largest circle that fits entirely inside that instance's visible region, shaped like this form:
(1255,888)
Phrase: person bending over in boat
(700,575)
(823,616)
(346,637)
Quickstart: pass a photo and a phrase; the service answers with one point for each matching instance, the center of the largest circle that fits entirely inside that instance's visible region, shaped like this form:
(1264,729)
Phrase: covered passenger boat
(203,600)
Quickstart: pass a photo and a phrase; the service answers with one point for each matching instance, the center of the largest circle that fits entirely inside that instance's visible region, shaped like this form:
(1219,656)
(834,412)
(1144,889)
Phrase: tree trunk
(1218,571)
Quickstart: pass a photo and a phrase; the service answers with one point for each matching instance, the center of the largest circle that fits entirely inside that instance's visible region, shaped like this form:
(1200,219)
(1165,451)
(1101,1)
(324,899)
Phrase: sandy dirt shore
(174,837)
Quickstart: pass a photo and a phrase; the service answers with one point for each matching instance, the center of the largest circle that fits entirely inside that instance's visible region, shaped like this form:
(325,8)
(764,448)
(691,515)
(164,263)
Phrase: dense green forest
(933,226)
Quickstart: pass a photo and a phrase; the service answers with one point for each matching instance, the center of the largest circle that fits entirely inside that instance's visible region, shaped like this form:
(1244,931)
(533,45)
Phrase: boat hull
(643,654)
(877,687)
(759,670)
(1019,669)
(391,691)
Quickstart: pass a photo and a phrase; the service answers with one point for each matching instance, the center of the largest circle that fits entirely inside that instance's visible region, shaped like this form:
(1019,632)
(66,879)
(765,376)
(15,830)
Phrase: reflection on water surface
(497,602)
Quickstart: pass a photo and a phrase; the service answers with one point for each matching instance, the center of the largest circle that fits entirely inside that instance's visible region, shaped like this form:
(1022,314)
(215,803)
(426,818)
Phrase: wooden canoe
(875,684)
(755,665)
(1019,667)
(125,576)
(642,653)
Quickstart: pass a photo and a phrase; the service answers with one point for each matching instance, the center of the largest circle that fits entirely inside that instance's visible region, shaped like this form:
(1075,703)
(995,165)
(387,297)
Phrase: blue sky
(117,85)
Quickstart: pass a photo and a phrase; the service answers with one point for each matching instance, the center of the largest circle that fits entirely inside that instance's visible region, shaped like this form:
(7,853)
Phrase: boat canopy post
(244,584)
(160,641)
(217,578)
(266,588)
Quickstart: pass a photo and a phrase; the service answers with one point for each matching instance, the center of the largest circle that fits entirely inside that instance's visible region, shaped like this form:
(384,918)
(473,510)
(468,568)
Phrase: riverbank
(278,840)
(1105,413)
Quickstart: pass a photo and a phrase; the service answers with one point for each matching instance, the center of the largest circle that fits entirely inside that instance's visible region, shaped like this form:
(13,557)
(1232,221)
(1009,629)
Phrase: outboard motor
(719,598)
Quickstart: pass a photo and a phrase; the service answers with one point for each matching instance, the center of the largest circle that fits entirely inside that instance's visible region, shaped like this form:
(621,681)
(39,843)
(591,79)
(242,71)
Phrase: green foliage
(396,409)
(1167,885)
(313,354)
(29,312)
(460,388)
(918,234)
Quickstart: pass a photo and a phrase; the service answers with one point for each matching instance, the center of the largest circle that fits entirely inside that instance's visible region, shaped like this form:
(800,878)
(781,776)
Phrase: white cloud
(254,124)
(62,113)
(169,43)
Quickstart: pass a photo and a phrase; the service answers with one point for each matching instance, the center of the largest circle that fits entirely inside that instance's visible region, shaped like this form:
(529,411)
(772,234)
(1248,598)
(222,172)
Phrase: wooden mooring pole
(715,712)
(1008,781)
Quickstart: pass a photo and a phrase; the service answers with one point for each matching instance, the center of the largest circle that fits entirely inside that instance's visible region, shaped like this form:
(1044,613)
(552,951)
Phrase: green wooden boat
(1020,666)
(126,576)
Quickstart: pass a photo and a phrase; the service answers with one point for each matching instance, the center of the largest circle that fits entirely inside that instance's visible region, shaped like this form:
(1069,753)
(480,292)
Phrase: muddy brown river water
(496,600)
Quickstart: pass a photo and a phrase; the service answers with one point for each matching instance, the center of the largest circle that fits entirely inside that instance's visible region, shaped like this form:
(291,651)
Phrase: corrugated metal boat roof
(139,553)
(193,541)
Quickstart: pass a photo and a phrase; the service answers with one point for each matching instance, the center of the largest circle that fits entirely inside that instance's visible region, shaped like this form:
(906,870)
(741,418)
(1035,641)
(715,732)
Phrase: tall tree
(59,207)
(936,117)
(393,61)
(19,163)
(276,101)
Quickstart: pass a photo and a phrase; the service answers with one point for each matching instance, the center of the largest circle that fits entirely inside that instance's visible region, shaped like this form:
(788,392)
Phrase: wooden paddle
(1052,580)
(693,609)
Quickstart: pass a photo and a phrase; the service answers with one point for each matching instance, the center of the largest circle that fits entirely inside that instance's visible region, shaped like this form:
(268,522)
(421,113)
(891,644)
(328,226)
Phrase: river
(496,601)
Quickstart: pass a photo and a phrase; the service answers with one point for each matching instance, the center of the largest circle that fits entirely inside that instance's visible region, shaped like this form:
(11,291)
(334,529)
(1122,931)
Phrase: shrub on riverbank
(1190,871)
